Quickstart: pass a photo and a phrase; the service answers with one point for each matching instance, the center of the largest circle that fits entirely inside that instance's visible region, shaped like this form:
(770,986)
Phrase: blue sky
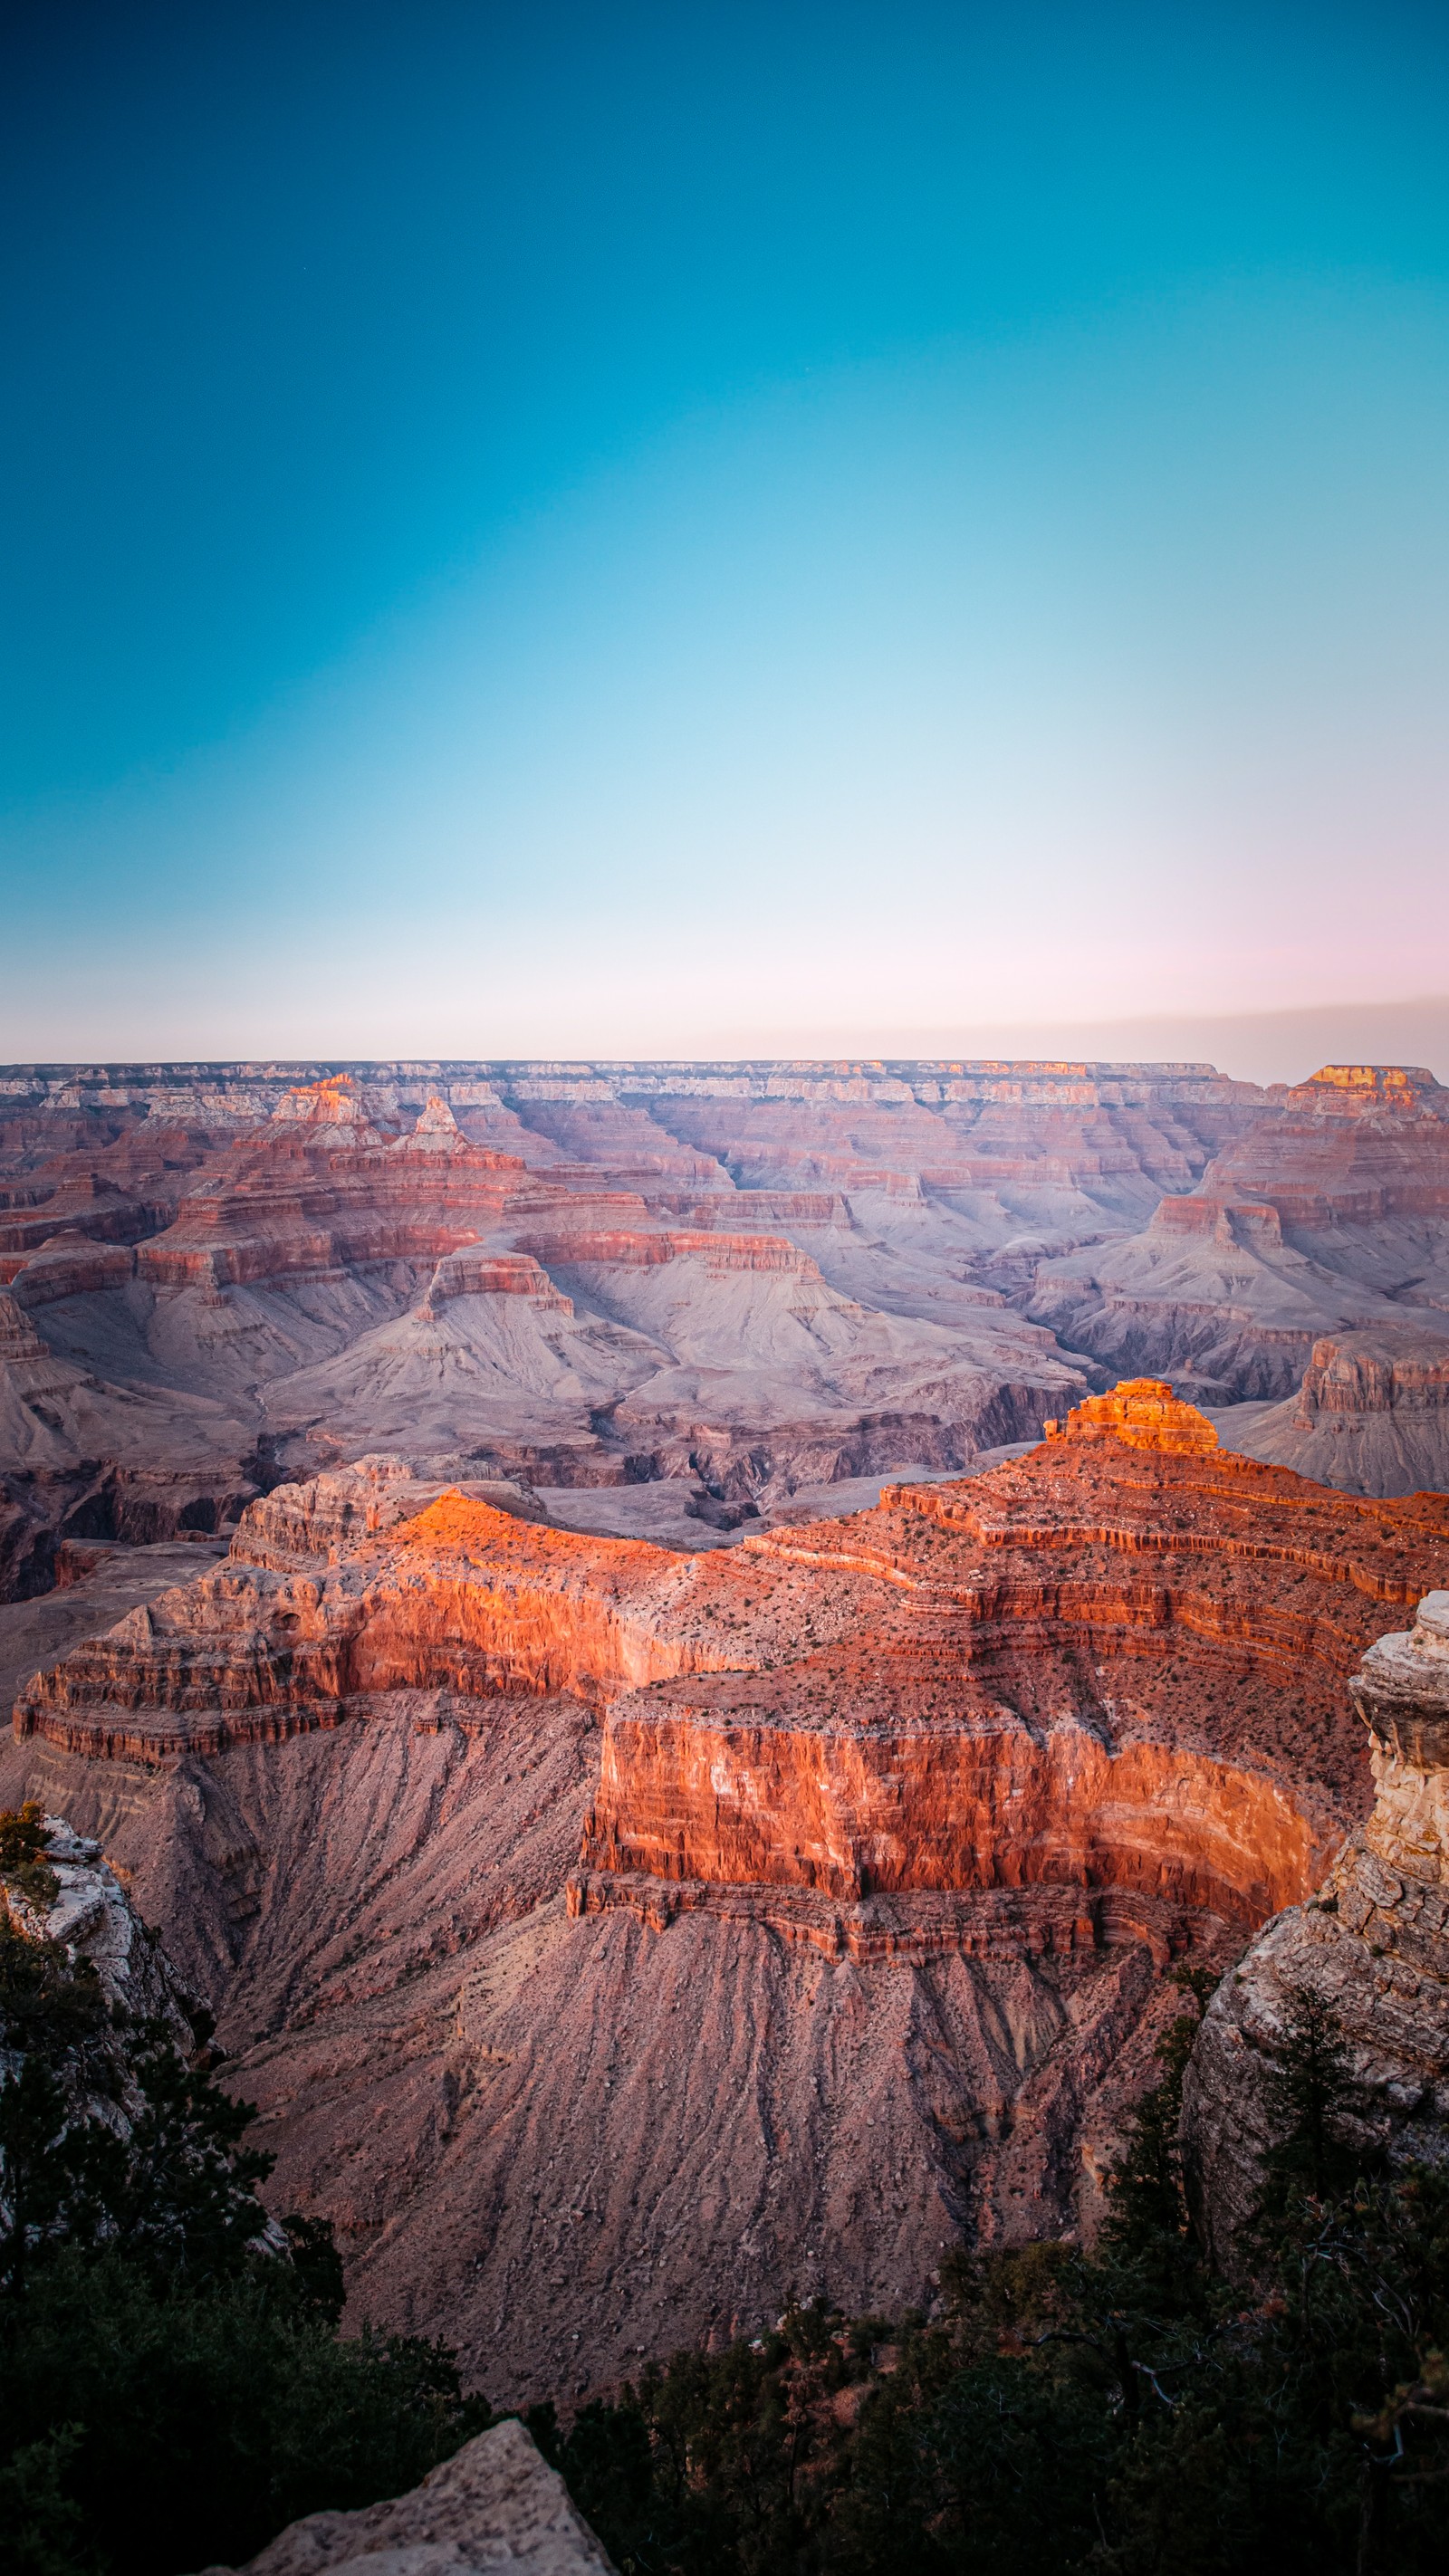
(622,530)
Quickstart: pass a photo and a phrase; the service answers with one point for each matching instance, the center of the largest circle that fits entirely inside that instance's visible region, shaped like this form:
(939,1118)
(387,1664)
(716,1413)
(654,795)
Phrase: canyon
(624,1628)
(616,1937)
(672,1299)
(1329,1214)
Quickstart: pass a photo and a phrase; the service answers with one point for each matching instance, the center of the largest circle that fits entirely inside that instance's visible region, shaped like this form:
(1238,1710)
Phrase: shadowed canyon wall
(1372,1944)
(615,1937)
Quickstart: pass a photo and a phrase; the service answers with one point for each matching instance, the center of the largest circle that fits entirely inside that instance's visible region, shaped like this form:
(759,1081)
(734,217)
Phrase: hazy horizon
(1264,1047)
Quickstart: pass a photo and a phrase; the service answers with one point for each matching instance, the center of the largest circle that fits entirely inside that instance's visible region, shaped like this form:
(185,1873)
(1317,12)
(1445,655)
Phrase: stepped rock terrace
(1118,1661)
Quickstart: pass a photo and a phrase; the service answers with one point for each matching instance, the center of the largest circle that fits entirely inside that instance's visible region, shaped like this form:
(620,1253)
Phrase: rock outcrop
(1328,1215)
(92,2057)
(1371,1416)
(961,1709)
(616,1939)
(1372,1944)
(494,2506)
(1143,1413)
(87,1911)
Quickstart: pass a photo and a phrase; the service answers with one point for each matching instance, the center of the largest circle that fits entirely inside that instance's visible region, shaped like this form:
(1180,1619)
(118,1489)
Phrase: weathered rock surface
(93,1919)
(1372,1414)
(494,2505)
(94,1586)
(1373,1944)
(70,1896)
(1329,1215)
(240,1273)
(889,1827)
(884,1755)
(1143,1413)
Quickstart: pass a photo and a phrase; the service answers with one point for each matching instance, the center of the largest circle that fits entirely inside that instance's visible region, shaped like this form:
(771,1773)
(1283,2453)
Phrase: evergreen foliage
(22,1855)
(173,2389)
(172,2392)
(1311,2100)
(1115,2414)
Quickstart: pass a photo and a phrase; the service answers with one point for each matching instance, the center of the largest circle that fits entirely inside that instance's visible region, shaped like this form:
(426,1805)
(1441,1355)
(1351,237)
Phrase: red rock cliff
(1117,1662)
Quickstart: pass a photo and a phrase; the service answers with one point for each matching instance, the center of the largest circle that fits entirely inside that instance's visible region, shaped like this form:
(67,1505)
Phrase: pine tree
(1311,2097)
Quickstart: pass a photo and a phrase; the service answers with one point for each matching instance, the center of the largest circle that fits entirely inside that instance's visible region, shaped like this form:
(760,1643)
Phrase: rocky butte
(1327,1214)
(617,1937)
(1371,1415)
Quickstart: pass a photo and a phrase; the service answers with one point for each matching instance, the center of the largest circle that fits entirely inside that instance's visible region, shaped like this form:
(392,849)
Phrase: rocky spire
(1373,1945)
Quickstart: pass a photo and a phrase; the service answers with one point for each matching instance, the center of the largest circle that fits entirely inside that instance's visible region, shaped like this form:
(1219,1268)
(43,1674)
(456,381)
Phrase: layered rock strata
(267,1275)
(615,1939)
(1371,1416)
(1143,1413)
(992,1728)
(1328,1215)
(1373,1944)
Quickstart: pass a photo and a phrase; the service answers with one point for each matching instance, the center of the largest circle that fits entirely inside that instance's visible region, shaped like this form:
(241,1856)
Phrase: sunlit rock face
(616,1937)
(1373,1944)
(1143,1413)
(966,1706)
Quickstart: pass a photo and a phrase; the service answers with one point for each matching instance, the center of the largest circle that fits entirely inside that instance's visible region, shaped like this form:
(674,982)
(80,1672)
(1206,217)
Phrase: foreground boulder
(494,2505)
(1373,1946)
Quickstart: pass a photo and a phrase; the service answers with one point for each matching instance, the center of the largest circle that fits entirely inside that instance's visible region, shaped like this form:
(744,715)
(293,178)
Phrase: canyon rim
(626,1632)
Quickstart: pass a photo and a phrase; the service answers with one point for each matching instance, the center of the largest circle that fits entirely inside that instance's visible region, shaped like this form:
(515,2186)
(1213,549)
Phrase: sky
(627,530)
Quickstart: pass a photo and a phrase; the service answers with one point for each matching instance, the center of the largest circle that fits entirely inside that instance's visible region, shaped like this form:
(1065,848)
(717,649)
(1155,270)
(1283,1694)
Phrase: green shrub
(23,1841)
(1115,2415)
(171,2391)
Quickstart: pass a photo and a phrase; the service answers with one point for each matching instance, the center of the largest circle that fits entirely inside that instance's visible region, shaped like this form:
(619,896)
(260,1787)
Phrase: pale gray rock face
(1373,1944)
(495,2505)
(93,1919)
